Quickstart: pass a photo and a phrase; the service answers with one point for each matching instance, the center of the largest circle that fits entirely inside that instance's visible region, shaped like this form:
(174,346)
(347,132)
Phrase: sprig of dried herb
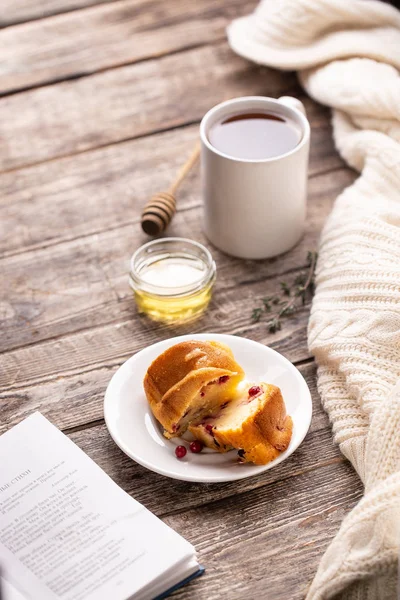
(290,299)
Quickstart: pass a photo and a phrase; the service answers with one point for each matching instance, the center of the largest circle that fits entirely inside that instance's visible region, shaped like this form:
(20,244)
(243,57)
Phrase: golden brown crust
(261,437)
(261,454)
(179,360)
(175,378)
(178,399)
(269,425)
(184,382)
(272,421)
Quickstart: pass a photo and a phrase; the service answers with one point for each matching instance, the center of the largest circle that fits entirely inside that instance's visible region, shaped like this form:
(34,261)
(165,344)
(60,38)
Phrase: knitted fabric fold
(347,53)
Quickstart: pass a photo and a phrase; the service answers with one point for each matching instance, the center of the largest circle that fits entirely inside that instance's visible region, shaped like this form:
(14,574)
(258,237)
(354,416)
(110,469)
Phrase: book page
(9,592)
(67,531)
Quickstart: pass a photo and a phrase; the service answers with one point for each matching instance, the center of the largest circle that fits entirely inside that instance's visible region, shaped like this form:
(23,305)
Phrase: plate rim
(255,469)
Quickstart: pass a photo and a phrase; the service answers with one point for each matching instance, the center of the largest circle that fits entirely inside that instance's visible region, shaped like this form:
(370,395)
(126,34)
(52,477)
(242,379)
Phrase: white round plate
(138,434)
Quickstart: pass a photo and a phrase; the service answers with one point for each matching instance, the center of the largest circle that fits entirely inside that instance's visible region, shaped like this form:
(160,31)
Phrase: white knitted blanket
(347,53)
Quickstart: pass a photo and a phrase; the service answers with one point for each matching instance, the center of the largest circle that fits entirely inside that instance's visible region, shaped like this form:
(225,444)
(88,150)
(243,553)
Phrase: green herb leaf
(256,315)
(291,297)
(274,325)
(267,305)
(300,279)
(285,288)
(287,310)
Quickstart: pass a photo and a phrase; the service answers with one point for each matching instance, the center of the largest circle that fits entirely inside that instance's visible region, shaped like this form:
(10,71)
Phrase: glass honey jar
(172,279)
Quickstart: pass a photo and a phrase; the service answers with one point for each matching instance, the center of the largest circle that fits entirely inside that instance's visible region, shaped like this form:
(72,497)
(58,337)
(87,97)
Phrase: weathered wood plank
(164,496)
(105,188)
(94,191)
(76,400)
(101,37)
(70,226)
(103,307)
(88,289)
(110,345)
(82,284)
(291,511)
(267,543)
(300,502)
(128,102)
(28,10)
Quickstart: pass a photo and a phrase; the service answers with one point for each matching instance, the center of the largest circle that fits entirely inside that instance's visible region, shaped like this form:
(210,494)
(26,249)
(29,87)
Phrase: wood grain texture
(13,12)
(109,35)
(109,345)
(81,284)
(102,189)
(283,518)
(71,401)
(164,496)
(128,102)
(267,543)
(78,160)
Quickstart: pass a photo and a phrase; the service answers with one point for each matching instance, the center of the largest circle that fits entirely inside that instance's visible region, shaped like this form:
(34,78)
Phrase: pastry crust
(177,382)
(195,385)
(264,432)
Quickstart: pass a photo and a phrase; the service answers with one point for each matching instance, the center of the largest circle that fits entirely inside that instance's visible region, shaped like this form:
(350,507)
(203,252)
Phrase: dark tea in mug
(255,135)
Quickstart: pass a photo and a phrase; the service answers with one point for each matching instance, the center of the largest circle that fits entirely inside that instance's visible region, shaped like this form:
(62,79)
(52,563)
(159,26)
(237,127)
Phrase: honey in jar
(172,279)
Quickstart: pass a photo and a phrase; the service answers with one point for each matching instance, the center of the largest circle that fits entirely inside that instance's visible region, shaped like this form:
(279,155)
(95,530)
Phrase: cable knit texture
(347,53)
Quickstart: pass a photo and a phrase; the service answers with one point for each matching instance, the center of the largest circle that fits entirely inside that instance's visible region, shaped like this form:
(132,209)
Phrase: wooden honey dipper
(161,207)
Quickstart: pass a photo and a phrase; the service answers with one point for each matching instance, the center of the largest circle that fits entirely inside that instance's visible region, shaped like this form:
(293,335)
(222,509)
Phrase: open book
(67,531)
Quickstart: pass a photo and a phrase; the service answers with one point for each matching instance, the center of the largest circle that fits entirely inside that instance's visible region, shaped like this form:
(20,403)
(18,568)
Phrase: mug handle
(293,103)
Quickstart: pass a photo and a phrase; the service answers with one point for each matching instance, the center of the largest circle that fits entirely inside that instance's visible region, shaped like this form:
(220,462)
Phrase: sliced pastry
(255,423)
(189,381)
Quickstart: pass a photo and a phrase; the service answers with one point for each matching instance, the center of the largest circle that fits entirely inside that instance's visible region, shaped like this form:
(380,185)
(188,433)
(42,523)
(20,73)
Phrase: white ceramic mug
(255,208)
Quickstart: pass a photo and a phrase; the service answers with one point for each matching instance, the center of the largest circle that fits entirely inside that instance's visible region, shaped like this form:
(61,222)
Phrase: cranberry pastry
(199,386)
(189,381)
(255,423)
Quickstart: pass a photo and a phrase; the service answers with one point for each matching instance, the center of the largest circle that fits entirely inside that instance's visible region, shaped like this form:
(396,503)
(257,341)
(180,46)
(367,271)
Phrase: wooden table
(100,103)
